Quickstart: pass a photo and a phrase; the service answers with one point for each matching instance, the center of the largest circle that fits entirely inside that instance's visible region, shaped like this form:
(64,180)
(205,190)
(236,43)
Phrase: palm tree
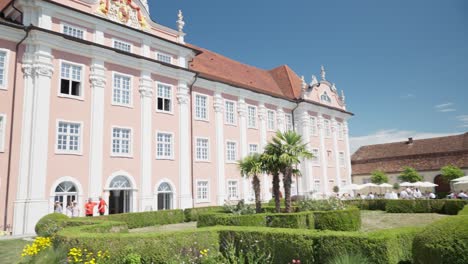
(251,166)
(271,166)
(289,150)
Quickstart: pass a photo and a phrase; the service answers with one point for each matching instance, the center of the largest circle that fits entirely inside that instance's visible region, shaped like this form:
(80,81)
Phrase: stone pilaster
(334,127)
(242,110)
(219,122)
(146,134)
(347,154)
(185,184)
(323,155)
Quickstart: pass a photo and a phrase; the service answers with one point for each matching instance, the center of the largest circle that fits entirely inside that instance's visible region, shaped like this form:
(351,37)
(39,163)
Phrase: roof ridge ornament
(304,84)
(342,96)
(180,21)
(323,73)
(314,80)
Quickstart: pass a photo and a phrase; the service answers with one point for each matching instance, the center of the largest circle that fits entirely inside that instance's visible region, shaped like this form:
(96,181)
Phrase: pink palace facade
(98,100)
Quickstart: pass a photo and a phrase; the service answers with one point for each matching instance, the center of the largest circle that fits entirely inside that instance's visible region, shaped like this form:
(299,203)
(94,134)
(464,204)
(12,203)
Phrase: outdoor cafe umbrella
(429,185)
(370,185)
(384,185)
(406,184)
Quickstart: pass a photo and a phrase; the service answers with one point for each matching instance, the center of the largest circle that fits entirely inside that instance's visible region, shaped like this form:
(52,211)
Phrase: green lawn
(375,220)
(10,250)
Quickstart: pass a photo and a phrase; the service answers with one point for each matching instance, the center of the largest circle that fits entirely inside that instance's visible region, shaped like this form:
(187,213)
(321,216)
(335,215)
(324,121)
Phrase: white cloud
(463,119)
(447,110)
(407,96)
(445,107)
(392,135)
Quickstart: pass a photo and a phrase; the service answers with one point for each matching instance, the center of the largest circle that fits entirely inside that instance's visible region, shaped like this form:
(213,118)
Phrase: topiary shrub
(445,241)
(340,220)
(136,220)
(297,220)
(451,207)
(191,214)
(213,219)
(50,224)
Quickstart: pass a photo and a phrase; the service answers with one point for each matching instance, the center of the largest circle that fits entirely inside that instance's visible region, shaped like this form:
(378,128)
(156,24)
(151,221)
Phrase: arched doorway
(165,196)
(443,188)
(120,195)
(66,193)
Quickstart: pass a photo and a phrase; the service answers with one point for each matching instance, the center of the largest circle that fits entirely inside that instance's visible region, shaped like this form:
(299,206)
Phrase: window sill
(57,152)
(231,162)
(254,128)
(123,105)
(164,112)
(228,124)
(121,156)
(3,88)
(203,161)
(164,158)
(202,201)
(201,120)
(79,98)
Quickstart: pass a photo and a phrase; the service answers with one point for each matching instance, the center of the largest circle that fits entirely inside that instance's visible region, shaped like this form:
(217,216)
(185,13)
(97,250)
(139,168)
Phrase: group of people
(73,210)
(460,195)
(408,193)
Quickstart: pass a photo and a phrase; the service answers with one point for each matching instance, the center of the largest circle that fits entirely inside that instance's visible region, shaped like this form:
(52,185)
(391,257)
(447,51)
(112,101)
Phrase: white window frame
(130,143)
(207,149)
(80,139)
(172,98)
(313,128)
(327,128)
(207,199)
(63,25)
(234,123)
(328,100)
(4,86)
(236,197)
(207,107)
(330,157)
(317,185)
(286,123)
(316,159)
(252,118)
(273,123)
(171,59)
(342,159)
(171,157)
(340,131)
(3,128)
(82,88)
(253,144)
(114,40)
(130,103)
(235,151)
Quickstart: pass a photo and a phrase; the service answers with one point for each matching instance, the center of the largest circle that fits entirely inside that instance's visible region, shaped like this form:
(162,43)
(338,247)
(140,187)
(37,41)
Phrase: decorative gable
(126,12)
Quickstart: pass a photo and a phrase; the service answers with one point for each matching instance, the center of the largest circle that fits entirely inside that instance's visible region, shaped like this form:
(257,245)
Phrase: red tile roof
(280,82)
(423,154)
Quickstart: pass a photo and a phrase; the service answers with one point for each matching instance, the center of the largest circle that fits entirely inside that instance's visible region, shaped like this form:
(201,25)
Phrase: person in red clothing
(89,207)
(102,206)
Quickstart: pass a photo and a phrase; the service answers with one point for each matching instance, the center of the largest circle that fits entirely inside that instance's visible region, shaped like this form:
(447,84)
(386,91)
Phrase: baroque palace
(98,100)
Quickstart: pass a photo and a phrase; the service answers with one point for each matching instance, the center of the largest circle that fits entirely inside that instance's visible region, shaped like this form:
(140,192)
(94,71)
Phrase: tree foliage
(409,175)
(379,177)
(451,172)
(251,166)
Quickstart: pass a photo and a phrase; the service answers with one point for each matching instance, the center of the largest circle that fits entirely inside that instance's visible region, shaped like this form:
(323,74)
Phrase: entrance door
(444,187)
(164,196)
(120,196)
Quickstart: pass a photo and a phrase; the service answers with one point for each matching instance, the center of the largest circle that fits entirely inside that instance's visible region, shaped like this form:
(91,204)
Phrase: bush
(213,219)
(321,205)
(49,224)
(450,207)
(297,220)
(136,220)
(445,241)
(191,214)
(367,204)
(272,209)
(340,220)
(241,208)
(464,211)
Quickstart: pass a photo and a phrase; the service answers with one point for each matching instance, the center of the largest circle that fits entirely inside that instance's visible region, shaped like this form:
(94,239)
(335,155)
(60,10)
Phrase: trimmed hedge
(191,214)
(367,204)
(213,219)
(339,220)
(299,220)
(272,209)
(390,246)
(136,220)
(445,241)
(450,207)
(50,224)
(464,211)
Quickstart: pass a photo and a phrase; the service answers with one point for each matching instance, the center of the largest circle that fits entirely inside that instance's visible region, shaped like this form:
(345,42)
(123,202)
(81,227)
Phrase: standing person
(70,209)
(102,206)
(75,210)
(58,208)
(89,207)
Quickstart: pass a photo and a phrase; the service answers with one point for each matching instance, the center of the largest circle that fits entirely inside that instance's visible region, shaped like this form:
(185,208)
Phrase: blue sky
(402,64)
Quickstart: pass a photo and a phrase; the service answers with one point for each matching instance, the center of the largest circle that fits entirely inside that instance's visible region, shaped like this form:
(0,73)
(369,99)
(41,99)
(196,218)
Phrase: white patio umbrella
(418,184)
(385,185)
(461,179)
(406,184)
(429,185)
(352,187)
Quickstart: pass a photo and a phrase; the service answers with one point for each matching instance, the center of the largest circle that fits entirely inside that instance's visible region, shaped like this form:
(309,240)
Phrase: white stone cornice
(262,112)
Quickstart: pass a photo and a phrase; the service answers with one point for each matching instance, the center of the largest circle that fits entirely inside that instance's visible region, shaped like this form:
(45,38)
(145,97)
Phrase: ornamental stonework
(123,11)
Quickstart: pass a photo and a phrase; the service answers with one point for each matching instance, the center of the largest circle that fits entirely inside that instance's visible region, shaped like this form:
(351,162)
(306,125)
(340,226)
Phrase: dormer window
(325,98)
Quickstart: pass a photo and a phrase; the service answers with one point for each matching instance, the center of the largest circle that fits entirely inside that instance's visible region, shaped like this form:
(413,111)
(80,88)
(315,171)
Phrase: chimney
(410,141)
